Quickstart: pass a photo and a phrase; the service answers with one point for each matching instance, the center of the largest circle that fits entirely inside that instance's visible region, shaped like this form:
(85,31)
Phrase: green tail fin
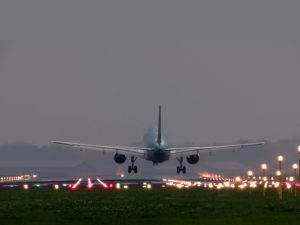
(159,126)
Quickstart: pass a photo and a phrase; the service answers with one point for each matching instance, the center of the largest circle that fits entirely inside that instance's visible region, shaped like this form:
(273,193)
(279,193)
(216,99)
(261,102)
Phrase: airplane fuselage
(158,153)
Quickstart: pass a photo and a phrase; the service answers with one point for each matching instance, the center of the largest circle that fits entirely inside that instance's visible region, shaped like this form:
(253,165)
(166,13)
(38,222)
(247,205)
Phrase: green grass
(139,206)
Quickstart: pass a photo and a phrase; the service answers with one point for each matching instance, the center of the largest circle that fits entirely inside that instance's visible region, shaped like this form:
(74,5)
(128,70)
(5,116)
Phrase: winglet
(159,126)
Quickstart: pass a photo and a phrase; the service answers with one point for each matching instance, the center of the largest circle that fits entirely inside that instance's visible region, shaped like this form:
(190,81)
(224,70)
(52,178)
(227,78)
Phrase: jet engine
(192,159)
(119,158)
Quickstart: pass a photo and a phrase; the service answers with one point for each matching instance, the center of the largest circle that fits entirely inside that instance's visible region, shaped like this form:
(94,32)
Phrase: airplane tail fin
(159,126)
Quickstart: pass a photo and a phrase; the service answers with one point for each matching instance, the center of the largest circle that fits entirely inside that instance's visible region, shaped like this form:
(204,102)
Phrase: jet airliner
(157,149)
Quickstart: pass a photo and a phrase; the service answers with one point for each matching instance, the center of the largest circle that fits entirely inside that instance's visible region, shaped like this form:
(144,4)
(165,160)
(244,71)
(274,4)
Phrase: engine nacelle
(119,158)
(192,159)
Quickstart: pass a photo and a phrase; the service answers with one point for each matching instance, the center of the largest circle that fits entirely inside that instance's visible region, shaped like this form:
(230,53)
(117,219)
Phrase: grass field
(139,206)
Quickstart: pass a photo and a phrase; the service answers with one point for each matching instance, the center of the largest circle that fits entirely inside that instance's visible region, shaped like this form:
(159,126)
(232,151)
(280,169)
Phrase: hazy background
(107,92)
(95,72)
(52,161)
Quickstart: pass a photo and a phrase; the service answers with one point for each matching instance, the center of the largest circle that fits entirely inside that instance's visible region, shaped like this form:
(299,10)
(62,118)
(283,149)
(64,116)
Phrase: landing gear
(181,168)
(133,167)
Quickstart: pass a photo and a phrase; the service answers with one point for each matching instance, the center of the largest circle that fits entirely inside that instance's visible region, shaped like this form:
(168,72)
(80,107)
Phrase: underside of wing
(196,150)
(138,151)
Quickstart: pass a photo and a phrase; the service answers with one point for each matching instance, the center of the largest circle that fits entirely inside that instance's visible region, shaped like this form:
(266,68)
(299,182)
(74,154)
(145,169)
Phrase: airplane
(157,149)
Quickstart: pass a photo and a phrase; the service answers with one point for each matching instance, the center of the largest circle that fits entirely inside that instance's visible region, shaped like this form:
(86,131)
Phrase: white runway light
(90,184)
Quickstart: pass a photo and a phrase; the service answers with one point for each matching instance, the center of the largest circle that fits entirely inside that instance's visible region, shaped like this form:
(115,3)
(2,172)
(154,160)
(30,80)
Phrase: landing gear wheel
(132,167)
(135,169)
(183,170)
(129,169)
(178,169)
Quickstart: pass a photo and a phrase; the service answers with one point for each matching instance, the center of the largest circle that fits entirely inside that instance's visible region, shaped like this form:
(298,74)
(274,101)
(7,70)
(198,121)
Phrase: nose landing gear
(133,167)
(155,163)
(181,168)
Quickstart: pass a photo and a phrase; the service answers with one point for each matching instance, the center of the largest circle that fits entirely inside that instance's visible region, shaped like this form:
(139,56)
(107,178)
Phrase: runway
(81,183)
(96,182)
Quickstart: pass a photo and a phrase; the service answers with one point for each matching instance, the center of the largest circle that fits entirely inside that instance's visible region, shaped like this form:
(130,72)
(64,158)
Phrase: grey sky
(156,19)
(107,92)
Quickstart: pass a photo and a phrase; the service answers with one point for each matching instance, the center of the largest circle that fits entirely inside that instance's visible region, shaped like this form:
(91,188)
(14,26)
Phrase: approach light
(179,186)
(278,173)
(295,166)
(264,166)
(288,186)
(241,187)
(299,148)
(238,179)
(280,158)
(226,184)
(90,184)
(253,185)
(76,185)
(104,185)
(250,173)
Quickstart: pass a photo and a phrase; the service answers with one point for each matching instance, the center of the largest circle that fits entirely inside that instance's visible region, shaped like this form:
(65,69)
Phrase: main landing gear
(181,168)
(132,167)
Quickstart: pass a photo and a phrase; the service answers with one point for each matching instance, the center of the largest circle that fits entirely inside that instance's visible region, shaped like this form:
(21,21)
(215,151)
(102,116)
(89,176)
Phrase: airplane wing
(137,151)
(196,150)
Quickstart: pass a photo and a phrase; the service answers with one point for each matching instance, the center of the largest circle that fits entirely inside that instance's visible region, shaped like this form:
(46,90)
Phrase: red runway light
(75,186)
(90,185)
(104,185)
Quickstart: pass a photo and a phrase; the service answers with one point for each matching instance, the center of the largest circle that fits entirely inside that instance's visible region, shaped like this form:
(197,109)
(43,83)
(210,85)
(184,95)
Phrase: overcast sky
(107,92)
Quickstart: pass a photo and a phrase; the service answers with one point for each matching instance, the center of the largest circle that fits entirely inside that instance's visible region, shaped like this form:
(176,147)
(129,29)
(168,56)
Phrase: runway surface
(90,183)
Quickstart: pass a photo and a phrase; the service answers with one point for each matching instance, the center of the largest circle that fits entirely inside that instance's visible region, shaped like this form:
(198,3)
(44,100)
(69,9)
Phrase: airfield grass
(140,206)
